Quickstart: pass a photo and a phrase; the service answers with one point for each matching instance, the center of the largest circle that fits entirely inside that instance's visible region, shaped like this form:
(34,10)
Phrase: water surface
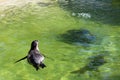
(46,22)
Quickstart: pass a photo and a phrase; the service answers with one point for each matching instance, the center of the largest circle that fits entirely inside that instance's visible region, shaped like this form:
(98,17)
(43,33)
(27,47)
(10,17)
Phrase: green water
(20,26)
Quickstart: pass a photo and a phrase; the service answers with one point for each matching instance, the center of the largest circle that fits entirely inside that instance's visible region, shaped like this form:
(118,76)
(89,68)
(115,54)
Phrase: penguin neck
(35,48)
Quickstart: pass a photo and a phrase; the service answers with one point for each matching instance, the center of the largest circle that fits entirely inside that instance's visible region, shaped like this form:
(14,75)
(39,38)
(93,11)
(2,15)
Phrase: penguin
(34,57)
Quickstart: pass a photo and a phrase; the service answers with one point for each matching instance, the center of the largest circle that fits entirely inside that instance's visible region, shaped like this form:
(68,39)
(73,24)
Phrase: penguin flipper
(21,59)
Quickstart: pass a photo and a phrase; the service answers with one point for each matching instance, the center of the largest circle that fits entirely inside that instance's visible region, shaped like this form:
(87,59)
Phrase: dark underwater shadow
(97,10)
(93,65)
(78,37)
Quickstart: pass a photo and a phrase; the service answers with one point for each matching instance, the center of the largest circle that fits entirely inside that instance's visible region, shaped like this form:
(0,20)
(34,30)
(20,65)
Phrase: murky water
(46,22)
(97,10)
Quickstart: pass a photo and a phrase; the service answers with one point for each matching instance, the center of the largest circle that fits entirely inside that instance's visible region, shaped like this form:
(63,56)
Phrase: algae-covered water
(46,22)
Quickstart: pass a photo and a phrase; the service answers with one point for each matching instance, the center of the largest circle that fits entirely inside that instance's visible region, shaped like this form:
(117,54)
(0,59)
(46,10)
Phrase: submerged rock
(96,61)
(93,65)
(78,36)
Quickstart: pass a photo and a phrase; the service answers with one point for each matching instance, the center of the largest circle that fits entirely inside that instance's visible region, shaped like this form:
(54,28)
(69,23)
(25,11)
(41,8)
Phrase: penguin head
(34,44)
